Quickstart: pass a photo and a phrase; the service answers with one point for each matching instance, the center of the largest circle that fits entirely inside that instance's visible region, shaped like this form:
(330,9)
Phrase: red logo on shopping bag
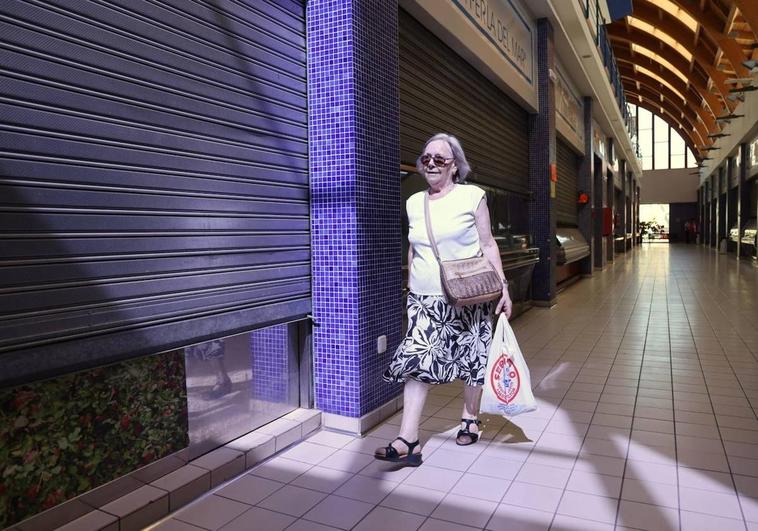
(505,379)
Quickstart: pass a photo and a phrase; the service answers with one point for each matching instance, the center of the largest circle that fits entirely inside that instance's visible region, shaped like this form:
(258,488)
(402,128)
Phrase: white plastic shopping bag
(507,385)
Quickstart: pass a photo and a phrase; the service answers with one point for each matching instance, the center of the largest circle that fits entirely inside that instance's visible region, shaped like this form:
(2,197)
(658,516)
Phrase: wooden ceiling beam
(688,123)
(749,11)
(650,42)
(713,105)
(732,50)
(689,107)
(691,138)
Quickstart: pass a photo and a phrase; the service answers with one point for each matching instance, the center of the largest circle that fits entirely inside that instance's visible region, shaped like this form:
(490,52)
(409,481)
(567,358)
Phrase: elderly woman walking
(443,342)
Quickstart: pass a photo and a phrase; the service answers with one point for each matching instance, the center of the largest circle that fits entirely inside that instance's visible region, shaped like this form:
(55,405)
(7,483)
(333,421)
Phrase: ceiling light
(736,97)
(718,135)
(752,63)
(742,80)
(743,89)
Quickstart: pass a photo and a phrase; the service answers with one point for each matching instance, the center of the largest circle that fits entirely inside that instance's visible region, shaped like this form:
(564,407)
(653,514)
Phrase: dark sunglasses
(439,160)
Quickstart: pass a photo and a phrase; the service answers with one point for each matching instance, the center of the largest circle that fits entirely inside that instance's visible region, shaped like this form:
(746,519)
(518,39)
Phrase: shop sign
(568,106)
(503,24)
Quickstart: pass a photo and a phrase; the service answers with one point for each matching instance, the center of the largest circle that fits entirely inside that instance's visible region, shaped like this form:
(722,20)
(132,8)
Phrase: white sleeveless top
(454,227)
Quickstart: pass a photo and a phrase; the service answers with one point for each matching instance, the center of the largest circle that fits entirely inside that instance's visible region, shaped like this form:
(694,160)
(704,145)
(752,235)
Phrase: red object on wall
(607,221)
(583,199)
(554,173)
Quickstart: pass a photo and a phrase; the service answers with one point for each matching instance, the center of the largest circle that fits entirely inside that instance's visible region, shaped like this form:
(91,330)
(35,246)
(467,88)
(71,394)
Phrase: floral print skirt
(443,343)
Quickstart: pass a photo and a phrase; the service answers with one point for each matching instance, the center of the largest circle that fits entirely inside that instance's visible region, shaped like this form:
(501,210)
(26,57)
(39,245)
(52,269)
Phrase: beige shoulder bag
(467,281)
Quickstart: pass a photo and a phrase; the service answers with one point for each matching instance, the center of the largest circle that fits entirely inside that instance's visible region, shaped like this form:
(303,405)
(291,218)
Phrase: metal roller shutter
(566,187)
(492,128)
(153,177)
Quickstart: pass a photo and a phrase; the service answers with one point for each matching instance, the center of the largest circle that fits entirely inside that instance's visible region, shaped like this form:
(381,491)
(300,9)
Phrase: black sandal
(466,432)
(391,454)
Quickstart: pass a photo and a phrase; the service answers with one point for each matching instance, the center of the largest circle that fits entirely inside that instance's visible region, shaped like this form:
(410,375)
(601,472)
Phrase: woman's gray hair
(460,158)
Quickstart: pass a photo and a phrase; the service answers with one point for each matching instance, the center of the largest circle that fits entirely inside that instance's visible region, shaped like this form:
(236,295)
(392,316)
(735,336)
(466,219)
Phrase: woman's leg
(472,396)
(414,397)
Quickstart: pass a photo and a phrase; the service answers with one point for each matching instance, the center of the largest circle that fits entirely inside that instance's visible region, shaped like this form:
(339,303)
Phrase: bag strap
(429,232)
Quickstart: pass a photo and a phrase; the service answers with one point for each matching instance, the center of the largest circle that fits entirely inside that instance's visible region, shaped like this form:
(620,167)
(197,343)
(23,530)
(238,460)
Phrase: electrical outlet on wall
(381,344)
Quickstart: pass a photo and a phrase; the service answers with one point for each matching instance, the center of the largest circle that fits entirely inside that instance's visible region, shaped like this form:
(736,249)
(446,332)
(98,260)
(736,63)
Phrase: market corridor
(647,377)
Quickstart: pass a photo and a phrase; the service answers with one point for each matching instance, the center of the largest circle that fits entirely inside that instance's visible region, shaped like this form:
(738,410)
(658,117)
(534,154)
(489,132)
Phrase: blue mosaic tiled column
(598,202)
(610,198)
(269,358)
(355,199)
(541,156)
(621,209)
(585,184)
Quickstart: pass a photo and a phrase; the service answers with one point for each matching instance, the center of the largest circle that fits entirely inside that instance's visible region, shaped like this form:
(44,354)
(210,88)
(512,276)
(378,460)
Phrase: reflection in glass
(236,384)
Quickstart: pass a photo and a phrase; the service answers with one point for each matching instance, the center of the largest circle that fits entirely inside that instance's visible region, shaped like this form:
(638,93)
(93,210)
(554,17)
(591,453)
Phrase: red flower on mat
(22,398)
(30,455)
(126,420)
(53,499)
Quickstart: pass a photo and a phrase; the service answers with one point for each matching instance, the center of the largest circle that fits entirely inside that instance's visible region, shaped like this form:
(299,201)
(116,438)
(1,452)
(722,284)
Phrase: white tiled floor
(647,378)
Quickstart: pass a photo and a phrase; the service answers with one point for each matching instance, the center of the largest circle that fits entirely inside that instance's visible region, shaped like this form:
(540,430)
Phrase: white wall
(669,186)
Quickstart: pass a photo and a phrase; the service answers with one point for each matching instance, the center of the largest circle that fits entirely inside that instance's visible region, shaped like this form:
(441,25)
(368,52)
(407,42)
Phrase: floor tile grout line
(673,409)
(721,438)
(522,463)
(720,307)
(718,337)
(531,451)
(634,416)
(727,359)
(584,438)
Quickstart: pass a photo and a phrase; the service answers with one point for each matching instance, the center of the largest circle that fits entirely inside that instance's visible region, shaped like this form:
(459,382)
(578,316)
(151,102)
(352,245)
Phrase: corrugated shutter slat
(154,188)
(441,92)
(566,191)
